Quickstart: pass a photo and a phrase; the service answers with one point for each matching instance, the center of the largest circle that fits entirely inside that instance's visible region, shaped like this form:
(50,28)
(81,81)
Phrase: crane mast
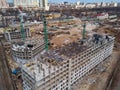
(22,24)
(45,31)
(84,31)
(22,27)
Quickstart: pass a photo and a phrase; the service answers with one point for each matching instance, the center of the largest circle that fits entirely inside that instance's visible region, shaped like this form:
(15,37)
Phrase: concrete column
(69,77)
(9,37)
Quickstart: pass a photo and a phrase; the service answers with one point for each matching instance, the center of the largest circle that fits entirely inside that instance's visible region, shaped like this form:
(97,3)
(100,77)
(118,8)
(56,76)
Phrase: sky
(72,1)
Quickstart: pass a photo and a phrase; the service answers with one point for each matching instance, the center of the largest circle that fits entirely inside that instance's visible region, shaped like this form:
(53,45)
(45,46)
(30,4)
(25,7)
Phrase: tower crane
(45,31)
(84,30)
(22,24)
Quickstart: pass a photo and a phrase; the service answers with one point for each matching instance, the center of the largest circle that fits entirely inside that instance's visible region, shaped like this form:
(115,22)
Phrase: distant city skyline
(73,1)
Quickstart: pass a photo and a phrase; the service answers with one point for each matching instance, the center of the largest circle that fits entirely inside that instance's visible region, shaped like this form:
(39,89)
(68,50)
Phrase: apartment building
(60,68)
(31,3)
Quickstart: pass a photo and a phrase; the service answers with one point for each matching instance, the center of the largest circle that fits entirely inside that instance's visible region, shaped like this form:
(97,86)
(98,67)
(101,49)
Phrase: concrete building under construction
(11,35)
(60,68)
(28,50)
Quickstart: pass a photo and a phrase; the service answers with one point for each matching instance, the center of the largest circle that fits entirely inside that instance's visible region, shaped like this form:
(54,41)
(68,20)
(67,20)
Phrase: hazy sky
(58,1)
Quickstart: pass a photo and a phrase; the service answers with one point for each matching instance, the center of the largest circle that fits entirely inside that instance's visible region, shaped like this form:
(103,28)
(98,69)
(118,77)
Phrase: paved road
(5,80)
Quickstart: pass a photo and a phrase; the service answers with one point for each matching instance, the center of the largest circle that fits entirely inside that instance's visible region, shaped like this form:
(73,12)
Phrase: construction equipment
(22,24)
(45,31)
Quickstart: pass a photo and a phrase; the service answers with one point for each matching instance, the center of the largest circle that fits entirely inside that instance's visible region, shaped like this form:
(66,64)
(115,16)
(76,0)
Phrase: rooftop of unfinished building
(33,41)
(75,48)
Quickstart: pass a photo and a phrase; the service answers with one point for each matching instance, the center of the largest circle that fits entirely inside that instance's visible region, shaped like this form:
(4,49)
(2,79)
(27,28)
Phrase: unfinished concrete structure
(11,35)
(27,50)
(60,68)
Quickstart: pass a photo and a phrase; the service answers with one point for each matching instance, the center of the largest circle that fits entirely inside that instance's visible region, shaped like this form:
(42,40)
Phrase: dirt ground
(116,81)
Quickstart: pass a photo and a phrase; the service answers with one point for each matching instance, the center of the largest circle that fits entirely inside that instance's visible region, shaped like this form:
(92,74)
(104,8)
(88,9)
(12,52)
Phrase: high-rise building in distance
(3,4)
(31,3)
